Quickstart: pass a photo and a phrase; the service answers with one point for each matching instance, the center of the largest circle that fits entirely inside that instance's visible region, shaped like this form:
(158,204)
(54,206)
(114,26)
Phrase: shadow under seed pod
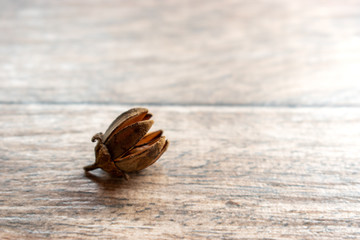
(106,182)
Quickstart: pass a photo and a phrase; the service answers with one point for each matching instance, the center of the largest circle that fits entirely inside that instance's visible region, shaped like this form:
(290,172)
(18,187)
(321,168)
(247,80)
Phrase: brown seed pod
(126,147)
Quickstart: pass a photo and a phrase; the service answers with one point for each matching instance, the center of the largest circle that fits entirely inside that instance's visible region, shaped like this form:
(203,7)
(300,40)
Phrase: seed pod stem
(91,167)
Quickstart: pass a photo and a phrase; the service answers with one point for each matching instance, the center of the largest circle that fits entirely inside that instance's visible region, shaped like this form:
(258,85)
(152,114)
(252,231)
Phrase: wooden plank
(180,52)
(230,173)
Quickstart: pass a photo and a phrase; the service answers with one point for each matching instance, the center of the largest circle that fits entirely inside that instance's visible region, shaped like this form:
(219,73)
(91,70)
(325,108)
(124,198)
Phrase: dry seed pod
(125,147)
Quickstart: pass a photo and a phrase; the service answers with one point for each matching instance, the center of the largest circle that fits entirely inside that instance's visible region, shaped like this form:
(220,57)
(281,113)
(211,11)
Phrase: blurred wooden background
(260,100)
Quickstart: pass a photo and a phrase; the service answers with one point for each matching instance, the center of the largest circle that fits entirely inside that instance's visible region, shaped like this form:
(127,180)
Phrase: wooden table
(260,100)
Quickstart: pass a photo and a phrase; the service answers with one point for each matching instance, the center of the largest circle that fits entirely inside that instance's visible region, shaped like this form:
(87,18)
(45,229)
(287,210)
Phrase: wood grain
(279,53)
(230,173)
(260,100)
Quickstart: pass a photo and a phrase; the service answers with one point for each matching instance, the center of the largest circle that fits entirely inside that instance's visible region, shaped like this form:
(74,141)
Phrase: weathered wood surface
(230,173)
(234,170)
(180,52)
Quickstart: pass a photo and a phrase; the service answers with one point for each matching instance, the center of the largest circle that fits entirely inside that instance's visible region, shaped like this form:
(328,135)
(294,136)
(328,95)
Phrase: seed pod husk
(126,146)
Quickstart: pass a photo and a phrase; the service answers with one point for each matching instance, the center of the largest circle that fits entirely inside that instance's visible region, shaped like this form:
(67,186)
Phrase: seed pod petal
(147,116)
(122,141)
(165,147)
(142,157)
(125,119)
(149,138)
